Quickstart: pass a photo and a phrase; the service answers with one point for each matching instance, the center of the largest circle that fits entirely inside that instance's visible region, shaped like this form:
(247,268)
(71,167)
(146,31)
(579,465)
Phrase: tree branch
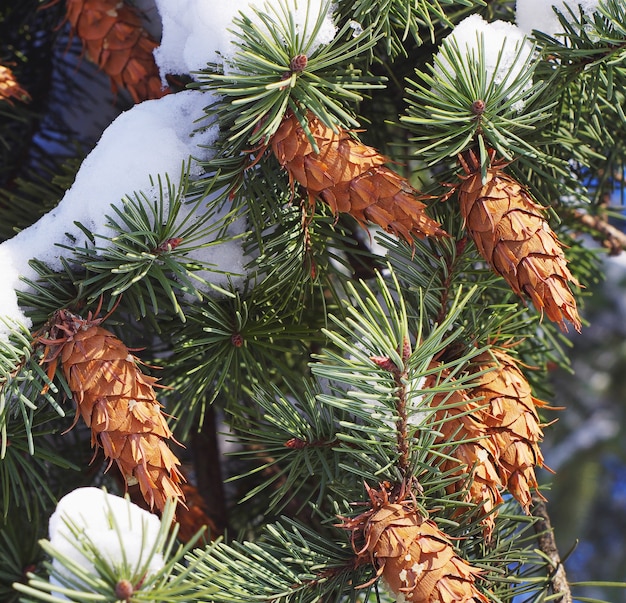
(547,545)
(610,237)
(207,463)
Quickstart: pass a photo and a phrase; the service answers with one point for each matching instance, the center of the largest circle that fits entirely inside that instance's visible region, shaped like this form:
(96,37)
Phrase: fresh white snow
(540,15)
(120,530)
(506,50)
(197,32)
(154,138)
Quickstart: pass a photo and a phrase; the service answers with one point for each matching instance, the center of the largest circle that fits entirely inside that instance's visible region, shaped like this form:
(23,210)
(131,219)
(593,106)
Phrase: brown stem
(451,260)
(547,545)
(402,427)
(402,424)
(610,237)
(207,462)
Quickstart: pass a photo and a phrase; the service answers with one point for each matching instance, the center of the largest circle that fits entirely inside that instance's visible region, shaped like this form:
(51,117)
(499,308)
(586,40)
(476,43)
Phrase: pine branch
(609,236)
(30,457)
(292,448)
(21,552)
(150,254)
(291,563)
(547,543)
(23,382)
(399,21)
(461,103)
(282,70)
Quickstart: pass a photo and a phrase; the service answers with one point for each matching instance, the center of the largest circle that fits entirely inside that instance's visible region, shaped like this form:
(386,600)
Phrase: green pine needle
(455,104)
(261,83)
(399,20)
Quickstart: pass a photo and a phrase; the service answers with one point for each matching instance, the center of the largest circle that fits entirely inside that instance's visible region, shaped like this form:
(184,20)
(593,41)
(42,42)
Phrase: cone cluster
(511,232)
(10,87)
(498,418)
(350,177)
(118,403)
(115,40)
(411,553)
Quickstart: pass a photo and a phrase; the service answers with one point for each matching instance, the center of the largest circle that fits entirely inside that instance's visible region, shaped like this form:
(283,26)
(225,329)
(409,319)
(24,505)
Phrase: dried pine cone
(115,40)
(194,515)
(9,86)
(458,418)
(510,414)
(412,554)
(513,235)
(351,178)
(117,401)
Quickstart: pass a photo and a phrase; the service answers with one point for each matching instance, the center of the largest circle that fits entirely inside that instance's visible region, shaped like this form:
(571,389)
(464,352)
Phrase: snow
(90,511)
(197,32)
(540,15)
(507,51)
(152,138)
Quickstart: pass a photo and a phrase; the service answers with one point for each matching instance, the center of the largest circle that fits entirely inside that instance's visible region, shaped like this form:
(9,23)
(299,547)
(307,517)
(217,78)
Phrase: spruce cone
(351,178)
(459,418)
(513,235)
(412,554)
(9,86)
(116,42)
(512,420)
(117,401)
(194,515)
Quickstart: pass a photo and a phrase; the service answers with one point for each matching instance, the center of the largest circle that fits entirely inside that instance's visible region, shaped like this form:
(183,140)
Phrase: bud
(298,63)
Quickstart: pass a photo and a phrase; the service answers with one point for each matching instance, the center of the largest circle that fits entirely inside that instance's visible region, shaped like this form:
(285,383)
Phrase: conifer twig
(612,238)
(547,544)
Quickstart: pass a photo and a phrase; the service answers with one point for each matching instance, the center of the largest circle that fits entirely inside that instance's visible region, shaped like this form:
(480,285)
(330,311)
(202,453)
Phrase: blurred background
(586,446)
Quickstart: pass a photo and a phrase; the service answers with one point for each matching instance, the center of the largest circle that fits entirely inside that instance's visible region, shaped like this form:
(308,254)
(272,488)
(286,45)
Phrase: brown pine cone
(115,40)
(351,178)
(118,402)
(412,554)
(511,232)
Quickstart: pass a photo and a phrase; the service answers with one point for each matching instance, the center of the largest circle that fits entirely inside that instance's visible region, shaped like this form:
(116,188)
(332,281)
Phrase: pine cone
(513,235)
(116,42)
(117,401)
(412,554)
(9,86)
(194,515)
(510,414)
(459,418)
(351,178)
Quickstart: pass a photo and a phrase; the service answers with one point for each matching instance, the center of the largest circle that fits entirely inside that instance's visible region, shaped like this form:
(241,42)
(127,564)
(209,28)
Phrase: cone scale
(496,422)
(117,402)
(194,515)
(350,177)
(510,413)
(10,87)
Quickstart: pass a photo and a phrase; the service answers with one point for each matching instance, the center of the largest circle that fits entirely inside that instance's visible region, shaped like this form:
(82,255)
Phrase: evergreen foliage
(316,355)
